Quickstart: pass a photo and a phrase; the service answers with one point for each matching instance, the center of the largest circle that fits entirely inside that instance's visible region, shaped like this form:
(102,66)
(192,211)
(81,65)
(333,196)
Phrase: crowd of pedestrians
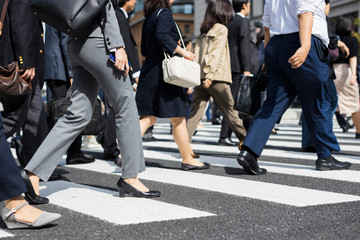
(297,59)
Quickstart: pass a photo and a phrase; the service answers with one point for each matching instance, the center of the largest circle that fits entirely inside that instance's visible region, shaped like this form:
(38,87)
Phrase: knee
(177,121)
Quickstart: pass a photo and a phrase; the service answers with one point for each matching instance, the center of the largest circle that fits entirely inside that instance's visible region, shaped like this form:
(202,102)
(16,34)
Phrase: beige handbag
(180,71)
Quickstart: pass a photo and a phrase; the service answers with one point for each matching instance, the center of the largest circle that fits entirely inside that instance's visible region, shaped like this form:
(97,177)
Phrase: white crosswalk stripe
(281,156)
(4,234)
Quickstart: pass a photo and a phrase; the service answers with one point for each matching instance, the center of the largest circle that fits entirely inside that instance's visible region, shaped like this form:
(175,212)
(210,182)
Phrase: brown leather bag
(11,83)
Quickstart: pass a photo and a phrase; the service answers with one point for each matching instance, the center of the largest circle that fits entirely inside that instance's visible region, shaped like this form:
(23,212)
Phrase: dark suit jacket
(239,44)
(57,63)
(22,35)
(130,44)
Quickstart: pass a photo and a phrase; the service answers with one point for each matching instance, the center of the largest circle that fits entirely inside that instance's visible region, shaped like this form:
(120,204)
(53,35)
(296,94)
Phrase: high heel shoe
(125,188)
(8,216)
(30,195)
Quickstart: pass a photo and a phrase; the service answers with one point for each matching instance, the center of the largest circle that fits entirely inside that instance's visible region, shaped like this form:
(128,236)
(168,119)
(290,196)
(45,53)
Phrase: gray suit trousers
(92,71)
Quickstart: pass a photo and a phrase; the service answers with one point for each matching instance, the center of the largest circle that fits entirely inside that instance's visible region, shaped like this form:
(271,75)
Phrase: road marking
(4,234)
(108,206)
(282,168)
(294,196)
(266,152)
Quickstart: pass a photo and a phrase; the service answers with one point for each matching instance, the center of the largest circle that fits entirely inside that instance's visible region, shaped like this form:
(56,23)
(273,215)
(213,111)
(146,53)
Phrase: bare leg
(146,122)
(182,140)
(27,213)
(356,120)
(135,182)
(34,181)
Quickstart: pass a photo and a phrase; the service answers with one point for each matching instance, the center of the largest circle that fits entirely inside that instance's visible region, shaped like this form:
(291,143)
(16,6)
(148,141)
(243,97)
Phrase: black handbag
(58,107)
(248,99)
(73,17)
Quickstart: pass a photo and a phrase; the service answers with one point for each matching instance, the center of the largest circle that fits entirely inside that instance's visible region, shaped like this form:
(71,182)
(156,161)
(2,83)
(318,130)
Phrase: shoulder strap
(177,27)
(3,13)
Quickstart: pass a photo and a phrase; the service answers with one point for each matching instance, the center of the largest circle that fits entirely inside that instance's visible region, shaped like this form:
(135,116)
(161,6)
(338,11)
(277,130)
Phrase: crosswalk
(291,181)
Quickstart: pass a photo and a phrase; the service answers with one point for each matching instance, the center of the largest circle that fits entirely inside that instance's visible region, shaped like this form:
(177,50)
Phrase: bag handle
(3,13)
(178,30)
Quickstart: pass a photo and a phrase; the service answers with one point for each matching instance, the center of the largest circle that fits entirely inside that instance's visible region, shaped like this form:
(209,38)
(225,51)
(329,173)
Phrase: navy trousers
(309,82)
(10,180)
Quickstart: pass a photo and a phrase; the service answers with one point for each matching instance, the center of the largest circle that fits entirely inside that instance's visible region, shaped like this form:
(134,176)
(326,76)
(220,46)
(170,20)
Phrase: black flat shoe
(187,167)
(30,195)
(249,163)
(126,189)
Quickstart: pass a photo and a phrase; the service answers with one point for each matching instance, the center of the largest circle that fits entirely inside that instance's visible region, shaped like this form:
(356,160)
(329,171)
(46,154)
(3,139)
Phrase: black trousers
(11,182)
(59,89)
(109,144)
(26,113)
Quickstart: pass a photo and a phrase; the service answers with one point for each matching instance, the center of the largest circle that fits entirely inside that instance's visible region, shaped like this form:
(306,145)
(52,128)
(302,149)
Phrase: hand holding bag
(248,99)
(179,71)
(11,82)
(73,17)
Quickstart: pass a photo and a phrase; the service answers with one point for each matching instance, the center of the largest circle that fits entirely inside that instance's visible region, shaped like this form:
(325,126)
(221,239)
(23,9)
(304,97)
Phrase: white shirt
(281,16)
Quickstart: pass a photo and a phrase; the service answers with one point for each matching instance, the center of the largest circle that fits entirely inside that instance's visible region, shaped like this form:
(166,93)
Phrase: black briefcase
(58,107)
(248,98)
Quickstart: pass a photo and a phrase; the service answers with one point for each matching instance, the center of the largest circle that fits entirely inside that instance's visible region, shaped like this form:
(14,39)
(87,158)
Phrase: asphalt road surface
(292,201)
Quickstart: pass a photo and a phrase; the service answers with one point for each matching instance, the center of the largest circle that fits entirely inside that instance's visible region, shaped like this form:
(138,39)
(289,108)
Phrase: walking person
(92,70)
(240,58)
(155,98)
(345,71)
(59,77)
(21,40)
(213,55)
(108,141)
(296,57)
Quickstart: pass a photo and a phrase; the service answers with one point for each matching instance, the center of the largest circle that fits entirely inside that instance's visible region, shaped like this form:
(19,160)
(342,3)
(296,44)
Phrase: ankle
(14,202)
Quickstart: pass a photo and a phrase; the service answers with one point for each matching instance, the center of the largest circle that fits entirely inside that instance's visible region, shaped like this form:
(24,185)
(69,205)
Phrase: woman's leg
(222,95)
(93,57)
(146,122)
(201,96)
(356,120)
(84,91)
(182,140)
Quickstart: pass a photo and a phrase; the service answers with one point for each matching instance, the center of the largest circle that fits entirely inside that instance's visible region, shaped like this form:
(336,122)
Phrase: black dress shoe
(126,189)
(78,158)
(249,163)
(187,167)
(330,163)
(118,161)
(30,195)
(226,142)
(111,155)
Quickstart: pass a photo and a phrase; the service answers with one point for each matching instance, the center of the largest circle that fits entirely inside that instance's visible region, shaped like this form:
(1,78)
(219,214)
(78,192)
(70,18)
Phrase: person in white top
(296,58)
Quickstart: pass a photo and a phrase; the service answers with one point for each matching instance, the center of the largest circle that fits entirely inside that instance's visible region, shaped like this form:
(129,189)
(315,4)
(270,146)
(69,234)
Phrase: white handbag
(180,71)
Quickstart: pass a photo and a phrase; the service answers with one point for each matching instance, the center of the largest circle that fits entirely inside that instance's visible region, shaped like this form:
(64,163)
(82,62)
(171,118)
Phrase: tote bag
(178,70)
(73,17)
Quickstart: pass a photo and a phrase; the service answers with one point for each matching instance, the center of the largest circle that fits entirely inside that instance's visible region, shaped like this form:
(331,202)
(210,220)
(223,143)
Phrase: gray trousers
(92,70)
